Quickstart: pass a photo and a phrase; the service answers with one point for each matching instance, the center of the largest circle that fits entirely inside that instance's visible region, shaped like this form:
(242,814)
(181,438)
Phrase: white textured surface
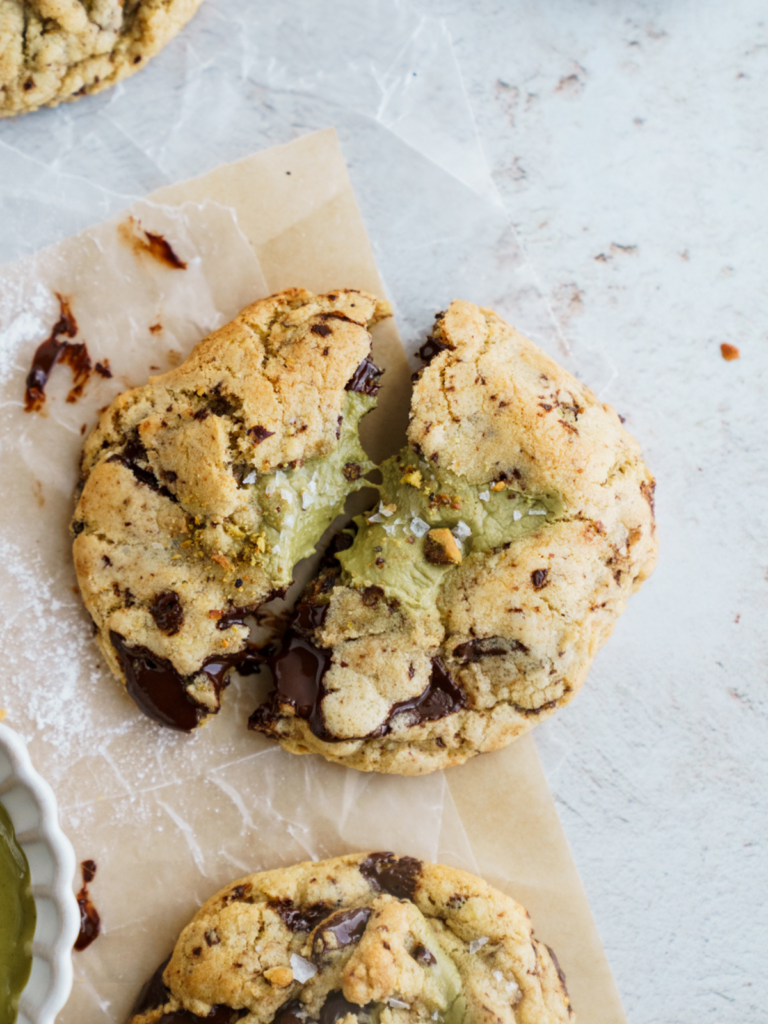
(627,143)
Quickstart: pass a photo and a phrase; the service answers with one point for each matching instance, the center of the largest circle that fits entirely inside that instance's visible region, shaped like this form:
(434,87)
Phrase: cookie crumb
(729,352)
(279,977)
(440,548)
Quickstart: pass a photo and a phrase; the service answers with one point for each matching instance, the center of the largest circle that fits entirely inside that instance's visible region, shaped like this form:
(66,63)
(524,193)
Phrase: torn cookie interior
(203,489)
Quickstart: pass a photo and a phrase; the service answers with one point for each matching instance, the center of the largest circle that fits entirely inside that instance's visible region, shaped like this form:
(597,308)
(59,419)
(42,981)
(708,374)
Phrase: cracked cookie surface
(201,490)
(470,604)
(56,50)
(368,938)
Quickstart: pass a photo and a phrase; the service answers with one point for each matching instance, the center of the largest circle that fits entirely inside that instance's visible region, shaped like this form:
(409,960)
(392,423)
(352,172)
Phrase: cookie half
(55,50)
(201,490)
(368,938)
(469,605)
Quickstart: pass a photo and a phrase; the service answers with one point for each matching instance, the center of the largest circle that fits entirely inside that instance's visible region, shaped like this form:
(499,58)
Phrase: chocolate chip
(539,578)
(322,329)
(352,471)
(371,596)
(168,613)
(423,955)
(258,434)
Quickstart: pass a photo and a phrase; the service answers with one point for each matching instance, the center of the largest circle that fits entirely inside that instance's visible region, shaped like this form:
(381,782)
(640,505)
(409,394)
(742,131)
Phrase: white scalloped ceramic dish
(31,806)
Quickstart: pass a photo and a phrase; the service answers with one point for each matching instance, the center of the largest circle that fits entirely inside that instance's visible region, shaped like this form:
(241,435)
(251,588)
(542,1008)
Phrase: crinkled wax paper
(169,818)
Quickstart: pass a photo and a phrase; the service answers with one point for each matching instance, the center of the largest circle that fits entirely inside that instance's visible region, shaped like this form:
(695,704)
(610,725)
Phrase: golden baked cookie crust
(469,606)
(370,938)
(57,50)
(201,490)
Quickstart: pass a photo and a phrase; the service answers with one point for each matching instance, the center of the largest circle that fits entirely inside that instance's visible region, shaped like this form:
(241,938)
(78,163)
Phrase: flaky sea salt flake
(419,527)
(461,531)
(398,1004)
(477,944)
(302,969)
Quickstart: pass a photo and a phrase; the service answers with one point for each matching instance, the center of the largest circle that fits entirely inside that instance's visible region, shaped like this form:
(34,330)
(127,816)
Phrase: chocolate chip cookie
(364,938)
(201,490)
(55,50)
(469,604)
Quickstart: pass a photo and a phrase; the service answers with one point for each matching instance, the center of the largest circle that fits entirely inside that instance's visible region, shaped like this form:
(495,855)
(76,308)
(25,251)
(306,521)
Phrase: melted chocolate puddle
(90,922)
(160,691)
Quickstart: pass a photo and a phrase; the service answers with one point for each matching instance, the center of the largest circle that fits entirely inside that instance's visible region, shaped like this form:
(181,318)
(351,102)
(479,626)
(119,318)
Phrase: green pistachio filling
(17,921)
(298,505)
(417,497)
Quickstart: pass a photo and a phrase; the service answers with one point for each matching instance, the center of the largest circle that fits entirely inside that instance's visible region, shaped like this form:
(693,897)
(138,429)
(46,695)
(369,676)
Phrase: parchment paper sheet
(170,818)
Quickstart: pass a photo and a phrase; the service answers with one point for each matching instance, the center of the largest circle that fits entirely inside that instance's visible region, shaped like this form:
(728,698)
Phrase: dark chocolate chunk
(371,596)
(292,1012)
(422,954)
(485,647)
(398,876)
(322,329)
(365,379)
(298,671)
(336,1006)
(167,611)
(300,919)
(132,454)
(441,697)
(341,929)
(258,434)
(539,578)
(431,348)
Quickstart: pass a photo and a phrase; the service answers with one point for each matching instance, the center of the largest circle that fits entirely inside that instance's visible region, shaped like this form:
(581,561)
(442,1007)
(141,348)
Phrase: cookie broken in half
(470,603)
(201,490)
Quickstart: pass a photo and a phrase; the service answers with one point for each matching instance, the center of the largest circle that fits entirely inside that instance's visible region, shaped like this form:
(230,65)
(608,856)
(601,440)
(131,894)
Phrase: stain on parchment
(147,243)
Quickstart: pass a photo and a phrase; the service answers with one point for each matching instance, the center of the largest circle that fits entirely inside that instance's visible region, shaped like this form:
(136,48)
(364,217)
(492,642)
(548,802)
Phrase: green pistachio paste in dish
(17,920)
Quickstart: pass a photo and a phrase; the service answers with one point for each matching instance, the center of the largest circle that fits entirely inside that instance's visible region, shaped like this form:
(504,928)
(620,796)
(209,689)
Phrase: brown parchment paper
(170,818)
